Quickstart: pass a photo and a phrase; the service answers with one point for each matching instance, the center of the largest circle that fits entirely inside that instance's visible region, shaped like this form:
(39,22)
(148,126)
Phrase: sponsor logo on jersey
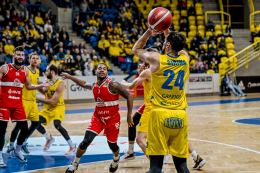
(3,109)
(103,112)
(171,96)
(174,123)
(12,97)
(14,92)
(117,125)
(1,115)
(146,144)
(17,82)
(176,62)
(241,85)
(170,103)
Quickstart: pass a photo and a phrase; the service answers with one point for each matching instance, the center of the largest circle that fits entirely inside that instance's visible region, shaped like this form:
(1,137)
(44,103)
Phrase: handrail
(222,17)
(252,8)
(252,18)
(220,5)
(35,6)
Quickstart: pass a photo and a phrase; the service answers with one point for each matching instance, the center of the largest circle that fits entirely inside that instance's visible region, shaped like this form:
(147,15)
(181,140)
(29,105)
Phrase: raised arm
(29,86)
(185,53)
(55,97)
(80,82)
(143,76)
(119,89)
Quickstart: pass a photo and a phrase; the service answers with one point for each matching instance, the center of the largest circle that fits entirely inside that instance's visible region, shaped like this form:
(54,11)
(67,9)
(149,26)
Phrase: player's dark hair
(31,55)
(103,64)
(53,68)
(155,47)
(152,49)
(177,40)
(19,48)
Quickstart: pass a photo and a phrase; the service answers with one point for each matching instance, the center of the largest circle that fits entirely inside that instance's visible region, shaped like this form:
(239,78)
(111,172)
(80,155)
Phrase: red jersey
(107,102)
(11,86)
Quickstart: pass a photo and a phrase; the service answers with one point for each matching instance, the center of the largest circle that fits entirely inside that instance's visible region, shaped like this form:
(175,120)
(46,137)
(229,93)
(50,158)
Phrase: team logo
(17,82)
(98,99)
(1,115)
(163,103)
(17,73)
(174,123)
(117,125)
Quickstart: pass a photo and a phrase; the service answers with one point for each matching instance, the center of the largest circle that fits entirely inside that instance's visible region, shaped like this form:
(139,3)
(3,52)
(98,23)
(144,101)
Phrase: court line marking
(234,121)
(235,110)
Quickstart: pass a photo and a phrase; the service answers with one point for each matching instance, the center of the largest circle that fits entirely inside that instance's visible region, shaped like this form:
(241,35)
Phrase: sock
(11,145)
(18,148)
(76,159)
(70,142)
(116,158)
(25,141)
(1,154)
(47,136)
(131,148)
(194,155)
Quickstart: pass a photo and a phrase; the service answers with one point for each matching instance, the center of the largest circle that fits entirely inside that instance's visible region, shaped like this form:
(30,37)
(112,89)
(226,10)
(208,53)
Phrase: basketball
(160,19)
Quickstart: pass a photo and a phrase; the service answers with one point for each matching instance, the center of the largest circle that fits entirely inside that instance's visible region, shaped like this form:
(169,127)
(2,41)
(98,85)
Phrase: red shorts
(141,109)
(15,113)
(111,126)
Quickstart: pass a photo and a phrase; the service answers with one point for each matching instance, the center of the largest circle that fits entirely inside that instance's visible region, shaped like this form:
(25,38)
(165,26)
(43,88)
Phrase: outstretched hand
(65,76)
(46,83)
(154,32)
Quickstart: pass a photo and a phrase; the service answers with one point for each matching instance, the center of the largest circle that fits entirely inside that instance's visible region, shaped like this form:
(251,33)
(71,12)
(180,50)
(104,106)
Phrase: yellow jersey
(168,83)
(147,89)
(49,94)
(34,79)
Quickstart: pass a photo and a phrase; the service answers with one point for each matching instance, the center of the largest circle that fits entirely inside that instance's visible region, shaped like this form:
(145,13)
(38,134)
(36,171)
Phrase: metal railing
(30,8)
(254,18)
(62,3)
(251,5)
(228,21)
(240,59)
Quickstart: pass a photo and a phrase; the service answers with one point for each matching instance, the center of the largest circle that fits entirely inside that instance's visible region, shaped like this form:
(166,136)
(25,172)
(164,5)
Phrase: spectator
(3,59)
(73,47)
(39,21)
(16,19)
(92,6)
(55,40)
(36,8)
(110,27)
(46,18)
(222,43)
(212,49)
(255,31)
(87,34)
(103,46)
(35,43)
(9,49)
(65,41)
(236,90)
(7,18)
(22,18)
(228,32)
(63,31)
(61,55)
(17,41)
(192,11)
(214,55)
(181,5)
(114,52)
(27,42)
(84,7)
(199,38)
(105,61)
(42,41)
(194,45)
(34,32)
(55,61)
(68,56)
(95,62)
(93,53)
(11,6)
(77,25)
(3,7)
(85,55)
(202,51)
(8,32)
(43,57)
(26,31)
(142,24)
(124,23)
(56,27)
(76,53)
(139,15)
(93,29)
(214,65)
(206,57)
(128,51)
(118,29)
(48,25)
(128,14)
(93,21)
(134,36)
(66,66)
(184,26)
(199,66)
(81,47)
(57,49)
(213,39)
(121,14)
(210,25)
(16,32)
(88,67)
(60,69)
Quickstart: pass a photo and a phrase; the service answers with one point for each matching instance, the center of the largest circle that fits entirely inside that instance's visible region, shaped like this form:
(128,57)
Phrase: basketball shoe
(199,163)
(9,150)
(72,168)
(25,149)
(2,163)
(19,156)
(127,156)
(71,150)
(48,143)
(7,139)
(114,165)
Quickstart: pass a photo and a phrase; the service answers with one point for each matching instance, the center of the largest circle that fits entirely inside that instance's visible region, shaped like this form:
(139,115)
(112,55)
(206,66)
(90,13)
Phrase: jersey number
(178,82)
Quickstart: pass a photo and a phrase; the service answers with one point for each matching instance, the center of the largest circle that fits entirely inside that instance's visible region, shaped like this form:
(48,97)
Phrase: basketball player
(106,116)
(29,103)
(12,77)
(145,77)
(54,109)
(168,125)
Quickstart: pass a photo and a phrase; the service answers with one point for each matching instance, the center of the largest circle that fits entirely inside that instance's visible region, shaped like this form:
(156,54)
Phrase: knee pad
(113,146)
(84,144)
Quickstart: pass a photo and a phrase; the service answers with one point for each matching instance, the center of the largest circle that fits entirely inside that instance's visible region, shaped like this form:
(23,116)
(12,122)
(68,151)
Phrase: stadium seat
(231,52)
(208,34)
(222,53)
(175,22)
(210,71)
(218,27)
(192,62)
(211,46)
(192,52)
(191,18)
(21,28)
(233,62)
(184,33)
(224,60)
(193,28)
(229,40)
(202,33)
(205,46)
(230,46)
(176,17)
(198,5)
(218,32)
(199,12)
(49,44)
(201,27)
(110,73)
(176,27)
(191,34)
(184,13)
(176,13)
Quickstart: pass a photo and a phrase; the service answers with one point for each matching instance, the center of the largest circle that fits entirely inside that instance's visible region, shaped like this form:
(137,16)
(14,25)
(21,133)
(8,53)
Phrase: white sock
(131,148)
(194,155)
(116,157)
(1,154)
(76,159)
(70,142)
(18,148)
(11,145)
(25,141)
(47,136)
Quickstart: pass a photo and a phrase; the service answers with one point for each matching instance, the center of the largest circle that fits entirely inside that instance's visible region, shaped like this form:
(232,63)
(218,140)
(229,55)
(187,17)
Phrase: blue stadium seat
(114,25)
(25,52)
(82,32)
(21,28)
(42,67)
(128,60)
(110,73)
(39,51)
(13,28)
(31,51)
(92,39)
(9,60)
(49,44)
(123,66)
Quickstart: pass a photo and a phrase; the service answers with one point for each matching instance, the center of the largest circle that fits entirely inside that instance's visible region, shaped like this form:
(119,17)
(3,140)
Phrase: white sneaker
(2,163)
(127,156)
(19,156)
(72,168)
(165,159)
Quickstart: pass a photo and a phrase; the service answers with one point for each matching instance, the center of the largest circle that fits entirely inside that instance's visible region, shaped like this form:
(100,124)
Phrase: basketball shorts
(141,109)
(110,126)
(143,124)
(53,113)
(168,131)
(13,113)
(31,110)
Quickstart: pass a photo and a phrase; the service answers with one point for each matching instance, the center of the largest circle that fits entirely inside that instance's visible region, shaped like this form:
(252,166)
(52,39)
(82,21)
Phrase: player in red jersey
(12,77)
(106,116)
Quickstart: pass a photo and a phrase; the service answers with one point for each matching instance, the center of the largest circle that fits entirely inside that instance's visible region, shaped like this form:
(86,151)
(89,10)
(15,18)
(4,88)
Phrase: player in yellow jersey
(29,103)
(168,125)
(54,109)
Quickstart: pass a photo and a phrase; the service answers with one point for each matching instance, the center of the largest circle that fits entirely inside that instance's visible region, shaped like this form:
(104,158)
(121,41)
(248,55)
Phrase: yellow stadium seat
(256,39)
(192,22)
(231,52)
(223,66)
(224,27)
(192,62)
(184,13)
(229,40)
(176,27)
(218,32)
(165,3)
(201,27)
(193,28)
(208,34)
(198,5)
(205,47)
(176,12)
(191,34)
(211,46)
(202,33)
(184,33)
(219,39)
(200,18)
(230,46)
(188,45)
(210,71)
(233,62)
(222,52)
(199,12)
(191,18)
(175,22)
(224,59)
(217,27)
(176,17)
(145,14)
(192,52)
(188,40)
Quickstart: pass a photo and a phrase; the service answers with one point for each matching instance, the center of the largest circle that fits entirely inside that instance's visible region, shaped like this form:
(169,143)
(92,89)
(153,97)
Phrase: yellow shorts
(168,131)
(54,113)
(143,124)
(31,110)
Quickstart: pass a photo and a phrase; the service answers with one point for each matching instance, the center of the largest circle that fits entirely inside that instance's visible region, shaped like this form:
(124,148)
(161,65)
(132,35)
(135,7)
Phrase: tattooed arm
(115,87)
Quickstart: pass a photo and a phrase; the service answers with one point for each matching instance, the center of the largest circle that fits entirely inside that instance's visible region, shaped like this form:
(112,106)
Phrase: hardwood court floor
(226,146)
